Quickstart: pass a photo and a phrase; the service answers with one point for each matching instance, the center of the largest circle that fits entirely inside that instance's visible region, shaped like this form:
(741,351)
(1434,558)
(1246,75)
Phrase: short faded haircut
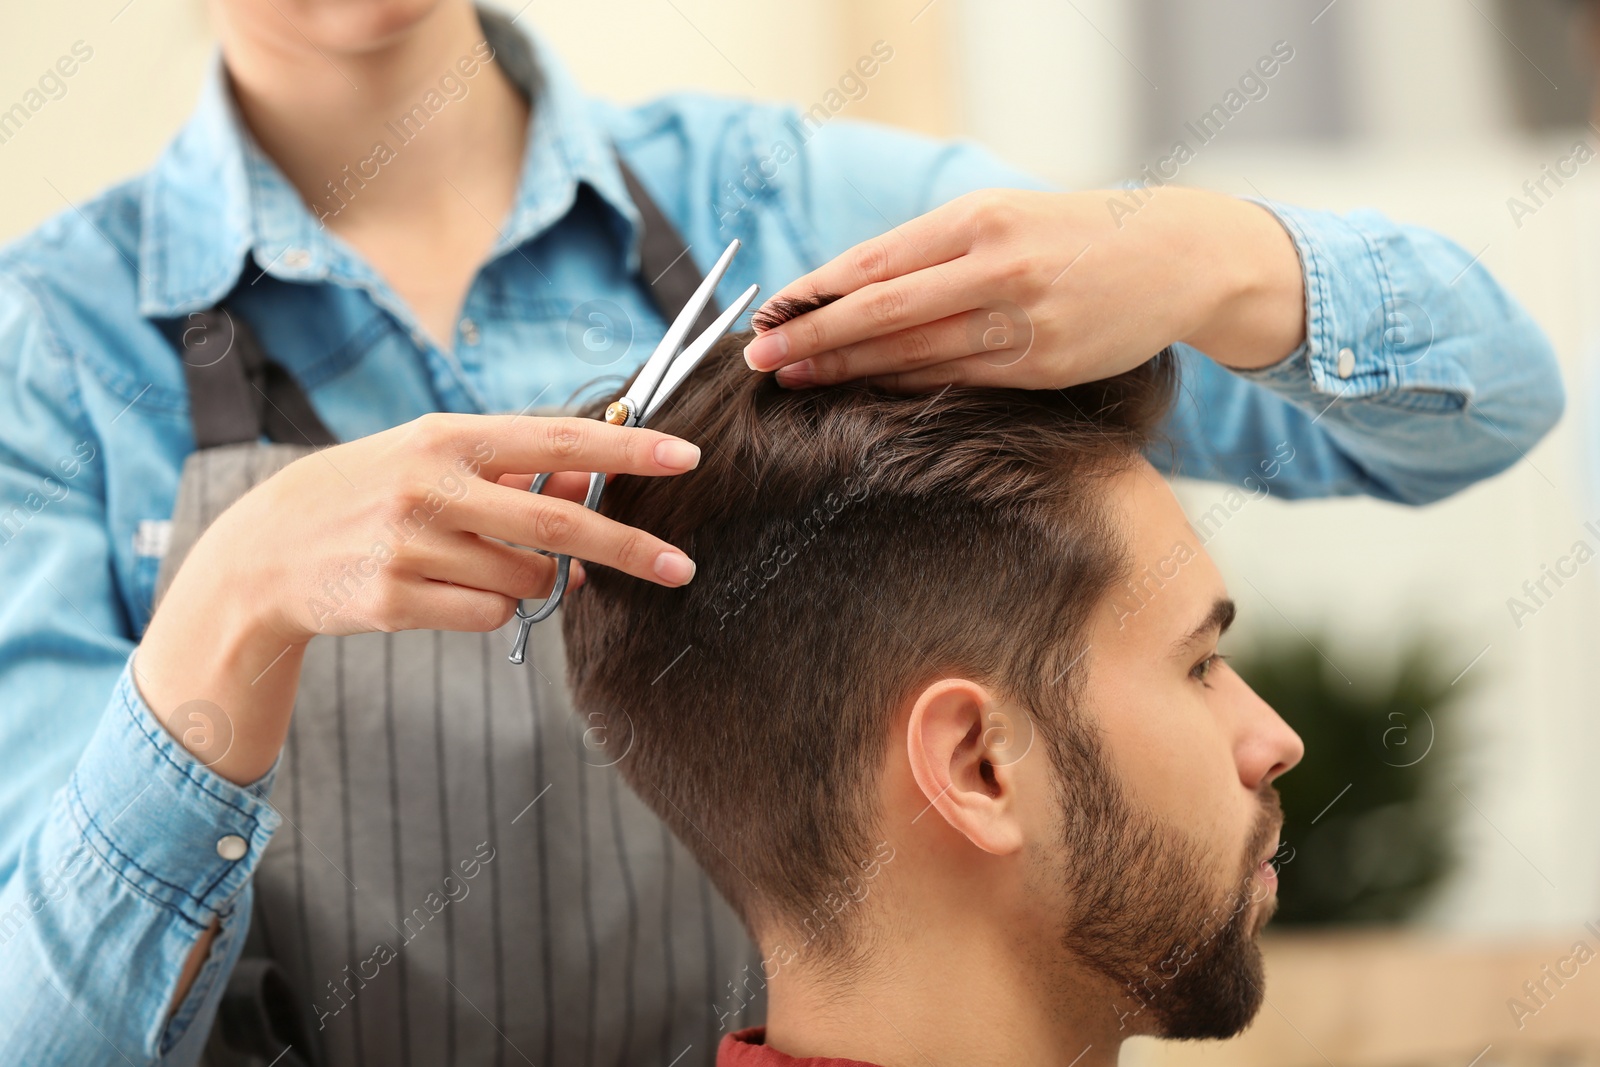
(852,545)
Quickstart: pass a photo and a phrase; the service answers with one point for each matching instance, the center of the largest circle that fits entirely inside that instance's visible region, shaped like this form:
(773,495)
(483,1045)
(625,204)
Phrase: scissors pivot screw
(617,413)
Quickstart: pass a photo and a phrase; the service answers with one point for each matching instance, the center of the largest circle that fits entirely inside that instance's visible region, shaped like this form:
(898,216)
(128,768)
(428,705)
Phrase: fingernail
(675,567)
(679,455)
(798,374)
(766,351)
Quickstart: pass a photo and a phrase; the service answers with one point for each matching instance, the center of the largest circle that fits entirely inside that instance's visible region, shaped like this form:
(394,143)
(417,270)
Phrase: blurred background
(1445,848)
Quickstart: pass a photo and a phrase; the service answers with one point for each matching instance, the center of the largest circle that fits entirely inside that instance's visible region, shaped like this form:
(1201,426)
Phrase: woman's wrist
(1258,310)
(217,670)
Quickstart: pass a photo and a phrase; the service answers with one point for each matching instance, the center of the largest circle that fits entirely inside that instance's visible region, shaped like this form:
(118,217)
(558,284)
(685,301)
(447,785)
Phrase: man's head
(947,660)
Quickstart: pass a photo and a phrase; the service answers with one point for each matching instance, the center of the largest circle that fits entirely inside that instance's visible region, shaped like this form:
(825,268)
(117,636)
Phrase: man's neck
(942,992)
(316,113)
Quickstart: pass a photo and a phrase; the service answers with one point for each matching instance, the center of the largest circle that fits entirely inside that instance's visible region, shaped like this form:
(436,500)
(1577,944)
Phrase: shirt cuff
(1364,337)
(176,832)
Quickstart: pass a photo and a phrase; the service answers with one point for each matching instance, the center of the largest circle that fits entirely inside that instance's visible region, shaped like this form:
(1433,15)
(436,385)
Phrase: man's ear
(956,742)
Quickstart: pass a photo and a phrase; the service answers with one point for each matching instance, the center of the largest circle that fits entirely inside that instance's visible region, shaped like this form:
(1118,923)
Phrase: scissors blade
(655,368)
(691,357)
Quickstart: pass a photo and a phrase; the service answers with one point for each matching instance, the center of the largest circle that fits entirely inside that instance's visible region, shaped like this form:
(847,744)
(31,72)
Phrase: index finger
(878,311)
(926,241)
(516,444)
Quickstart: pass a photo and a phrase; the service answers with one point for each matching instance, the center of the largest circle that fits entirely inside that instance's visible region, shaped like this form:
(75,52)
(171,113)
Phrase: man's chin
(1219,992)
(1219,997)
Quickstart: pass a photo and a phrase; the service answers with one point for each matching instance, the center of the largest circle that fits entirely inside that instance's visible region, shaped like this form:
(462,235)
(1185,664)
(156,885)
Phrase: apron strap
(669,274)
(238,400)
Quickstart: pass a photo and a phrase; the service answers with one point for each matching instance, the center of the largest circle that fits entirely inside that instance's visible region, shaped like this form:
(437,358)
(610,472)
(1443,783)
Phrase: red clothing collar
(747,1048)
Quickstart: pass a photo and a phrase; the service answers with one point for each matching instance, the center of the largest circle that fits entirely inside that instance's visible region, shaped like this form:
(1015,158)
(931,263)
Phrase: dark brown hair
(852,546)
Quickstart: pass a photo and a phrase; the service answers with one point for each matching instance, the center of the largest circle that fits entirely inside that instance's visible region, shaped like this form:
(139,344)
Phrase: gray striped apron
(461,876)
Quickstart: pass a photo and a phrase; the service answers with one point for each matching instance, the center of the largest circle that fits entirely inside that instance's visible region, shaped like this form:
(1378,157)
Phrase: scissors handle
(525,620)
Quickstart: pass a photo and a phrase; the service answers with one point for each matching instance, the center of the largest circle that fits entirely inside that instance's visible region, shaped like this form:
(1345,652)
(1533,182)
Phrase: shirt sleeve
(1418,376)
(110,864)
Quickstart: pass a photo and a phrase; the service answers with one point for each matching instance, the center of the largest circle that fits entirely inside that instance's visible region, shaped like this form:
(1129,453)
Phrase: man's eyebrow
(1219,618)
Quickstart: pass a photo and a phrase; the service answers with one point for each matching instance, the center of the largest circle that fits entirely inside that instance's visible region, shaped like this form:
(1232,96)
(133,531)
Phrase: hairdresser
(292,383)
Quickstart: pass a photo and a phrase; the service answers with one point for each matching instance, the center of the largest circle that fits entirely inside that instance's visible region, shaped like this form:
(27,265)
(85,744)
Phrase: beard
(1146,912)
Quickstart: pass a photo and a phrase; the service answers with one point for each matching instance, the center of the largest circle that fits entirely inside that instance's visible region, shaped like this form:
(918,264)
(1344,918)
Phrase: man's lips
(1264,865)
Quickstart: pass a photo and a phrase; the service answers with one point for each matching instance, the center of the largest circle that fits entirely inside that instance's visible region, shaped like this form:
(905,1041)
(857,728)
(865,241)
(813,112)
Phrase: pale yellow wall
(118,110)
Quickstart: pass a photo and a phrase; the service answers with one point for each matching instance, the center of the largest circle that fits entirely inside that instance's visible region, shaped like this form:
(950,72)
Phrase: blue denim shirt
(108,828)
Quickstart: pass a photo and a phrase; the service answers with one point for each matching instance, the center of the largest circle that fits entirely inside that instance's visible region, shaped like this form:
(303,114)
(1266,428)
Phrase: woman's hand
(1039,290)
(402,530)
(406,529)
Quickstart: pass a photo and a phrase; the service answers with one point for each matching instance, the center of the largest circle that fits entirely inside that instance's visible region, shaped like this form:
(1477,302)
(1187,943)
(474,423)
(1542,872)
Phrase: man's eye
(1202,670)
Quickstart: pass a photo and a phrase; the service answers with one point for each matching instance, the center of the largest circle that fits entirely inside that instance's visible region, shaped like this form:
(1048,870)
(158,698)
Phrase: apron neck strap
(237,394)
(669,275)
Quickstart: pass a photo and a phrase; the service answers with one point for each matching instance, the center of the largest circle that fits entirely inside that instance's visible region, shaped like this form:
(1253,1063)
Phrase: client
(943,716)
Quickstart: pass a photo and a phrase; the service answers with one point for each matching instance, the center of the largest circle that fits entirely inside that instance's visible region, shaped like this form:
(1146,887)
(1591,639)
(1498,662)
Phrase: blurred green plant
(1370,812)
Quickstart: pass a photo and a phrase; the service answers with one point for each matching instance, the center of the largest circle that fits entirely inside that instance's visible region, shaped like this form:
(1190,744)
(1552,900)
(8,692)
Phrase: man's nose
(1266,746)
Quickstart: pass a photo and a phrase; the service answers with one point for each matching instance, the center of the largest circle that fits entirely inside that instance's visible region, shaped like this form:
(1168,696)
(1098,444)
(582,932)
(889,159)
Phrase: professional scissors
(661,374)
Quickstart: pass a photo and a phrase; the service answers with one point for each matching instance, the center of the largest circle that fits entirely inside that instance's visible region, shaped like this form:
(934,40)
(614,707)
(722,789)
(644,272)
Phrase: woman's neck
(406,142)
(317,110)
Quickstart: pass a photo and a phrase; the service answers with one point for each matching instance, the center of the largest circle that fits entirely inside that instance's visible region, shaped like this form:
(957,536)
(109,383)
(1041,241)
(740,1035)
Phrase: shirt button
(295,258)
(232,847)
(1347,363)
(469,331)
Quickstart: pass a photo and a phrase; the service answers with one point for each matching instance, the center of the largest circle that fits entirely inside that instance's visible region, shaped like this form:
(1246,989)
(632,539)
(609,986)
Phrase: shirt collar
(214,198)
